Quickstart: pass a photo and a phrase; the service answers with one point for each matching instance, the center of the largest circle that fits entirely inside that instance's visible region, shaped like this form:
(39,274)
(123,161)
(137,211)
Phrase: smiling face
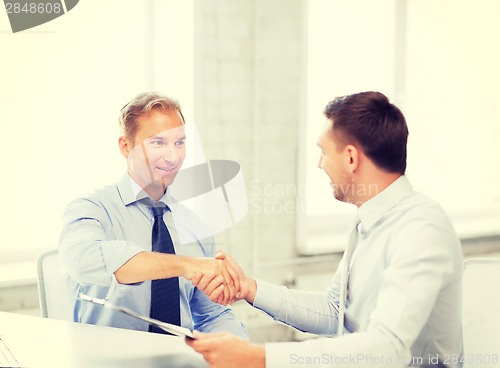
(156,153)
(336,162)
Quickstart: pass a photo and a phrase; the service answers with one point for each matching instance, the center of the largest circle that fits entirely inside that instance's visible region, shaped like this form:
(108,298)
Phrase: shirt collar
(375,208)
(132,192)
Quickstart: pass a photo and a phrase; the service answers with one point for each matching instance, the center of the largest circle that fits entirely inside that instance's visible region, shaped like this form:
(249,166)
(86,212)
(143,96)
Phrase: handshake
(222,280)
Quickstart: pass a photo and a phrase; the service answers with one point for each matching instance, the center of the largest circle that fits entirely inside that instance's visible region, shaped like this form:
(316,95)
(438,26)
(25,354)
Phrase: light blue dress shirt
(403,293)
(108,227)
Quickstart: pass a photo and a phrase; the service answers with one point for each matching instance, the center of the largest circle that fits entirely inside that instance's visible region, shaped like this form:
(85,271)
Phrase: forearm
(307,311)
(153,266)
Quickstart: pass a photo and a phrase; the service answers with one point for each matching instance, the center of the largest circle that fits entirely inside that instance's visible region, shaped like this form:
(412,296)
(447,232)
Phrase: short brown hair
(369,120)
(142,104)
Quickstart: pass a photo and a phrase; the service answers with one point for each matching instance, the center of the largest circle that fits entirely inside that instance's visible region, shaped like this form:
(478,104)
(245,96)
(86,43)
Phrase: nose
(170,154)
(320,162)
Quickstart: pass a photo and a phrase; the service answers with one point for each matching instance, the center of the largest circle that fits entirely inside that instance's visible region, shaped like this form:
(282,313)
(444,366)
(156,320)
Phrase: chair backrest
(481,312)
(54,301)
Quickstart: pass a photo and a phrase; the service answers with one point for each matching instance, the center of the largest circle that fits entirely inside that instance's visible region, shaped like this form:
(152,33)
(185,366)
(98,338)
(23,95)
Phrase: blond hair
(141,105)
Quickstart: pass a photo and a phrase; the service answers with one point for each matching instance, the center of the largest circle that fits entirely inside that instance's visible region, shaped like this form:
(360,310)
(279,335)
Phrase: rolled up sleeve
(86,252)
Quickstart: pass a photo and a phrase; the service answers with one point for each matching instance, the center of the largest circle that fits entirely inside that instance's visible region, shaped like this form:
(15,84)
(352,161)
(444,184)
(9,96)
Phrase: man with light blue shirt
(395,299)
(106,242)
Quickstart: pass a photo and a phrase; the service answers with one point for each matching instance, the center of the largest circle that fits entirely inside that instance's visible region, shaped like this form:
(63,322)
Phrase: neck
(154,190)
(371,184)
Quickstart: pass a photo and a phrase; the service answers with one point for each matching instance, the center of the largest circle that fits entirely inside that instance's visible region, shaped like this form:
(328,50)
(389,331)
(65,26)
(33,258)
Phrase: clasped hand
(225,286)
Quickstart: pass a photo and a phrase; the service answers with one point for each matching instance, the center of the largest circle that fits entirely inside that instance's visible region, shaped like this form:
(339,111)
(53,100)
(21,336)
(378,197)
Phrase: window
(435,61)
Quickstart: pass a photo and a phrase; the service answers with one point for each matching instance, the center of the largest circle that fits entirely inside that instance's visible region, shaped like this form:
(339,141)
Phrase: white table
(39,342)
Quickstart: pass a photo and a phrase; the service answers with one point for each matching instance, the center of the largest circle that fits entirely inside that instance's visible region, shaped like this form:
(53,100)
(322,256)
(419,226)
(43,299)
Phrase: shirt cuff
(268,297)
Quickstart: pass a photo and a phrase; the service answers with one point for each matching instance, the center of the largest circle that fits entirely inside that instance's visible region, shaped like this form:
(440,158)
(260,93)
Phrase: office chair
(481,312)
(54,301)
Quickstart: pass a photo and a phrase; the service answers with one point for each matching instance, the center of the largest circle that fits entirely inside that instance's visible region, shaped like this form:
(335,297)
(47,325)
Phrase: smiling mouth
(165,169)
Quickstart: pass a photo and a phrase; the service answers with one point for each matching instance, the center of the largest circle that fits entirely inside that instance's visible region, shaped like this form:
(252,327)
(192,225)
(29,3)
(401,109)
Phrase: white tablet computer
(170,328)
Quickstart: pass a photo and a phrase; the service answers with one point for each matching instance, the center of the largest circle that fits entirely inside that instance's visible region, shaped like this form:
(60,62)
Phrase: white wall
(62,85)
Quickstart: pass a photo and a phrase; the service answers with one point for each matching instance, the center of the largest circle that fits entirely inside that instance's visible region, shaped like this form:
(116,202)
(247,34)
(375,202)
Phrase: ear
(125,146)
(352,156)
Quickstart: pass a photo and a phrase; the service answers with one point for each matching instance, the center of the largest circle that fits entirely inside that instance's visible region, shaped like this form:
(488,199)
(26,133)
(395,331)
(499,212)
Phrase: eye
(157,143)
(180,143)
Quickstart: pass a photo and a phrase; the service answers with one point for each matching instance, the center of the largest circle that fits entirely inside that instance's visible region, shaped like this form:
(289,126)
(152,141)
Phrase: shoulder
(100,199)
(418,207)
(420,222)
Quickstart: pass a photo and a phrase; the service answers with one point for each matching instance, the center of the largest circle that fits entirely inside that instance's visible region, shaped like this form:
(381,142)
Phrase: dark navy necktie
(165,302)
